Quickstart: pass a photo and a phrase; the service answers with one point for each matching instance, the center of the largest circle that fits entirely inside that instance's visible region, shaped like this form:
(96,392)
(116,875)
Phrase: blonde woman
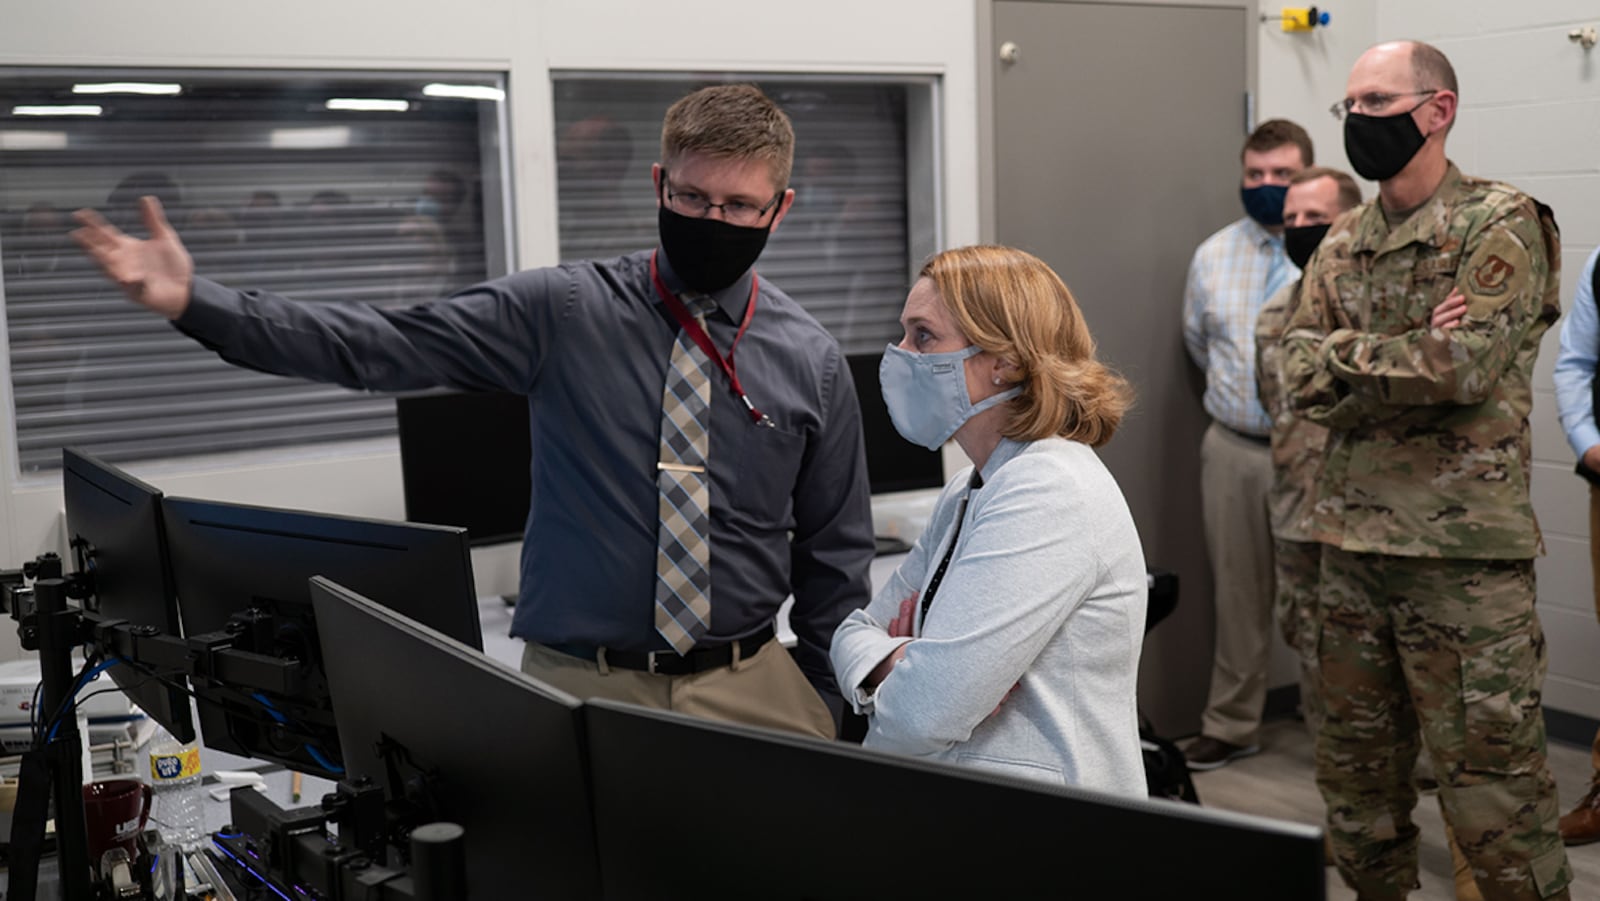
(1009,638)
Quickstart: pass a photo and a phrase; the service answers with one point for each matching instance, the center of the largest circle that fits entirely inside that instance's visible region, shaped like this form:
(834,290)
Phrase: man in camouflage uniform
(1427,632)
(1316,197)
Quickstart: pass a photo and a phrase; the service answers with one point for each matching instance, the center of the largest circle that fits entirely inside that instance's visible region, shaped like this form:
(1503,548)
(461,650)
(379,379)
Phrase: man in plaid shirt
(1231,276)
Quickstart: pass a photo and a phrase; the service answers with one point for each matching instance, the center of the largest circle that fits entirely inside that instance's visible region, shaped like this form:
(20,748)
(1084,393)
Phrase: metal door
(1117,130)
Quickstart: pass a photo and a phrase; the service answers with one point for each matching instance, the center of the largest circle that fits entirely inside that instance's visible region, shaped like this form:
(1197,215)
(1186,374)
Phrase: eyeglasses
(1375,102)
(734,212)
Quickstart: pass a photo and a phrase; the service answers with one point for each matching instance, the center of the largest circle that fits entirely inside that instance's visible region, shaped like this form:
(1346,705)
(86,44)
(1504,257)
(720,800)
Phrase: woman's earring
(998,381)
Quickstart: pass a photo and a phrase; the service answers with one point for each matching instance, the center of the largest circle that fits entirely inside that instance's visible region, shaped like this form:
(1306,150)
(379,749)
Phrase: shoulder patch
(1492,275)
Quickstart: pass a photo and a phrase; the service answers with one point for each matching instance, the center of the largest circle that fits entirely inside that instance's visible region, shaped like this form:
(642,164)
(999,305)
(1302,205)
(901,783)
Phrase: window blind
(269,188)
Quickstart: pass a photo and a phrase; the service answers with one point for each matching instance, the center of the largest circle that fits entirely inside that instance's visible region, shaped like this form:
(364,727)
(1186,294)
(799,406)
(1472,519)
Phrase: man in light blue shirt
(1575,399)
(1231,276)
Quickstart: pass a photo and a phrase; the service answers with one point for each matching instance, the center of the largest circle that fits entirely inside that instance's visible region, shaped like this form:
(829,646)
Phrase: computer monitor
(760,803)
(117,540)
(502,751)
(464,461)
(464,457)
(251,565)
(893,463)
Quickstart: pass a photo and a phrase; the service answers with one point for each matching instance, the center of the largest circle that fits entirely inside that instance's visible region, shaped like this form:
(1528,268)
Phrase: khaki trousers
(766,690)
(1235,474)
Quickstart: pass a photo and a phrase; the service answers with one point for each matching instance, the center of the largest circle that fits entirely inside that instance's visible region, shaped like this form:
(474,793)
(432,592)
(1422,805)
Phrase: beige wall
(1530,115)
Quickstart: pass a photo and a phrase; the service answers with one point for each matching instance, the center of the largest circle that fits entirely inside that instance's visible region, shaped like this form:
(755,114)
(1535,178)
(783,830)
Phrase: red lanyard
(691,326)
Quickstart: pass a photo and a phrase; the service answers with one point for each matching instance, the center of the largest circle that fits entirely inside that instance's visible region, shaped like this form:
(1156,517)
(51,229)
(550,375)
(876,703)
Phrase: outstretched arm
(491,336)
(156,273)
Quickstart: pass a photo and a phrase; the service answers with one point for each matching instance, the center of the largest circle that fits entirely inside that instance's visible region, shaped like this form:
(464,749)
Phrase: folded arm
(1024,566)
(1342,376)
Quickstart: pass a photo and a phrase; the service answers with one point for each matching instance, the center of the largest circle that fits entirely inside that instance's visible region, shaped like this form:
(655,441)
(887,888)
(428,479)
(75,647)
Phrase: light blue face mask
(927,394)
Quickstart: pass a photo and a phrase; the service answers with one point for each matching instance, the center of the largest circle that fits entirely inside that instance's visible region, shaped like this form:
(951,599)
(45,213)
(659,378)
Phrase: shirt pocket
(1433,278)
(1352,306)
(769,461)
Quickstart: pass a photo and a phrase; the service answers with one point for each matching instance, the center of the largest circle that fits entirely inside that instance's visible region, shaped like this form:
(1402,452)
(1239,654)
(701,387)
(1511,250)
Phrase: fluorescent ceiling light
(309,138)
(464,91)
(85,109)
(32,140)
(128,87)
(368,105)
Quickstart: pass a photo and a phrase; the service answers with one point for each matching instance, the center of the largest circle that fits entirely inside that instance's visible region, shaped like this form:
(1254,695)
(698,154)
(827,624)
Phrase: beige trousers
(767,690)
(1235,473)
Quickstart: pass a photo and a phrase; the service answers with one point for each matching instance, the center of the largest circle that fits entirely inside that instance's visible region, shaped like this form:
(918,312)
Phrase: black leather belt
(669,663)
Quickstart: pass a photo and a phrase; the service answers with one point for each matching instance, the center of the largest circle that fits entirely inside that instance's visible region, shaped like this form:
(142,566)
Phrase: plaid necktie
(683,555)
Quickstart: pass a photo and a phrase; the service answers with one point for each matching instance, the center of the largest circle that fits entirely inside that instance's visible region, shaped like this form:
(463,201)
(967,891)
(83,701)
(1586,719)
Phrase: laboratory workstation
(720,450)
(308,712)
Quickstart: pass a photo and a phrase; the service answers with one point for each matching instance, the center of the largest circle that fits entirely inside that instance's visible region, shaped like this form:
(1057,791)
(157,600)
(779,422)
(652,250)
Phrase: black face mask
(1380,146)
(1301,241)
(709,254)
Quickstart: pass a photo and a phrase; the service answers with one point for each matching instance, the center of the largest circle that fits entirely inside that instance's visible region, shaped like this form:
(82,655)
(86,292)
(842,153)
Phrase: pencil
(294,788)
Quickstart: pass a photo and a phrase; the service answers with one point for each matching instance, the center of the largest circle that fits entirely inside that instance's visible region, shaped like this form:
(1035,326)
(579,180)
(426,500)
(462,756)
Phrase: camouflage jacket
(1297,442)
(1429,450)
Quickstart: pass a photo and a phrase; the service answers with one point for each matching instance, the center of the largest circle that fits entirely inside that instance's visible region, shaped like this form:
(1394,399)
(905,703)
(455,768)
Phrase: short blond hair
(1012,305)
(730,121)
(1349,191)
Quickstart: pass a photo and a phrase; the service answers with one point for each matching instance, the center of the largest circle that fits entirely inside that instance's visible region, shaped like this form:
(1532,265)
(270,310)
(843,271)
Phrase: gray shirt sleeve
(490,337)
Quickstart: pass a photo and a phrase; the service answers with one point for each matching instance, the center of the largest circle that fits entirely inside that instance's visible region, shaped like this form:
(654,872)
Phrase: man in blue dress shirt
(1230,278)
(590,344)
(1575,396)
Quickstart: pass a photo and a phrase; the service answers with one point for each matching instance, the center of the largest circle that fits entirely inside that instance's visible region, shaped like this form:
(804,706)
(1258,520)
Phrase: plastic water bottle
(179,806)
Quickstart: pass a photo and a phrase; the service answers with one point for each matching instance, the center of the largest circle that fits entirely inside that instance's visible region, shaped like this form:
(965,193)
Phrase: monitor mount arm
(51,626)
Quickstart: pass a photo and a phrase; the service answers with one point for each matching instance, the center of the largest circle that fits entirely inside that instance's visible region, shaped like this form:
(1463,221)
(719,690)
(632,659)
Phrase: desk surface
(496,617)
